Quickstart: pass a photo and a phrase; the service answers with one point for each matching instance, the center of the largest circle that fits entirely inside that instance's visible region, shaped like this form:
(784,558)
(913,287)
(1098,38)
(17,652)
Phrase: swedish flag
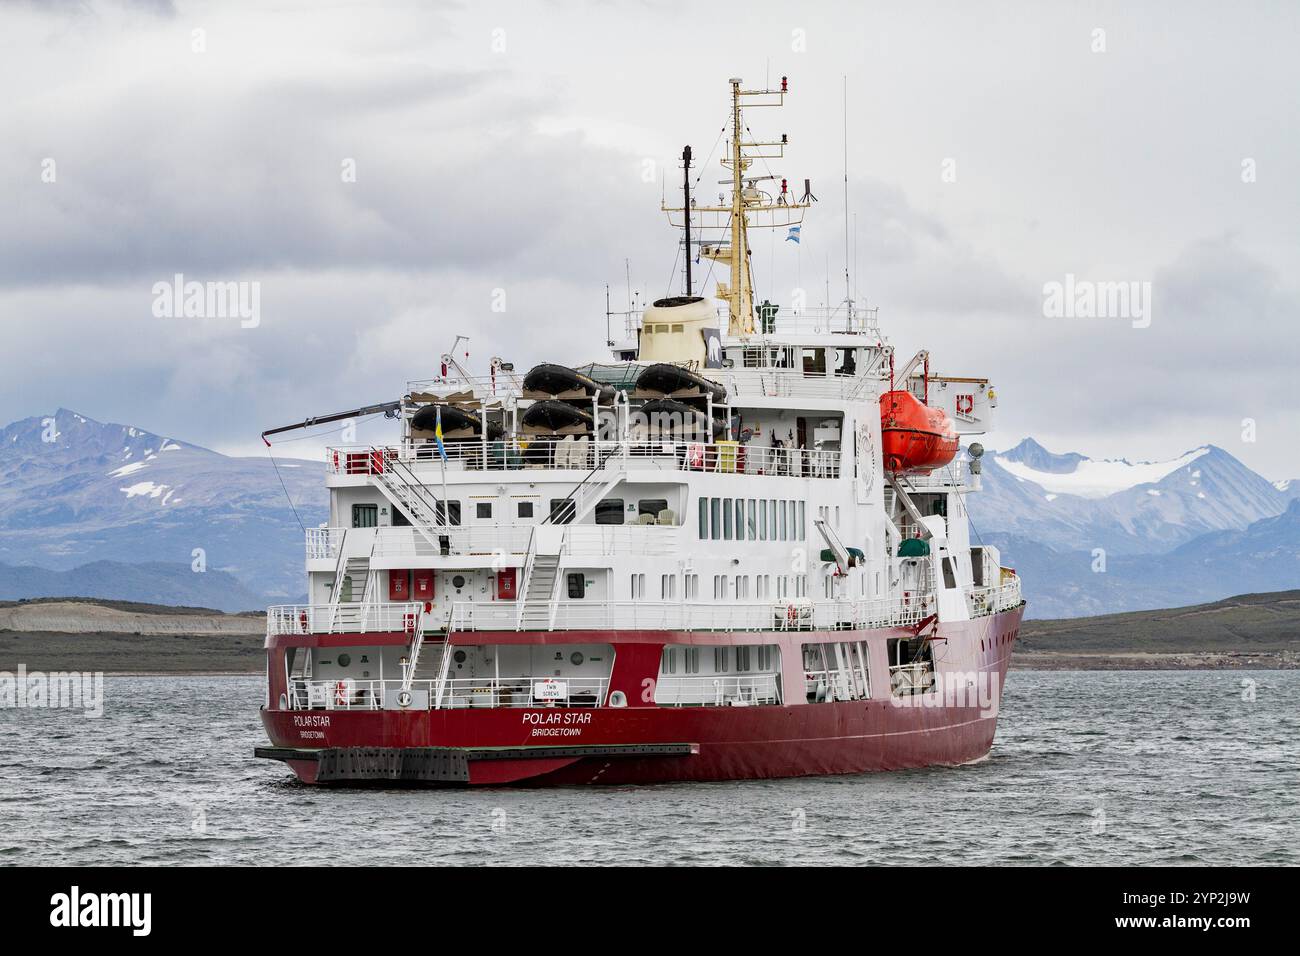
(437,435)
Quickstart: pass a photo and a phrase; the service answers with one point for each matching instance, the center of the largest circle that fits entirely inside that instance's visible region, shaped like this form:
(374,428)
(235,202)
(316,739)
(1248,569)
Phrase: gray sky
(504,145)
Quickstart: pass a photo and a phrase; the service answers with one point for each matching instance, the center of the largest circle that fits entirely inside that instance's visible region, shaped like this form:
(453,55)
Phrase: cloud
(525,170)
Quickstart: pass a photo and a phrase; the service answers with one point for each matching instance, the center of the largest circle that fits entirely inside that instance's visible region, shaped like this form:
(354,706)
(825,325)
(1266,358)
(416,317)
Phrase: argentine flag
(793,234)
(437,435)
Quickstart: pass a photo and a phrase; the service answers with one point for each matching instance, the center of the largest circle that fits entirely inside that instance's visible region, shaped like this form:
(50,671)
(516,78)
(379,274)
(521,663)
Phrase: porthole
(458,657)
(576,658)
(458,581)
(345,660)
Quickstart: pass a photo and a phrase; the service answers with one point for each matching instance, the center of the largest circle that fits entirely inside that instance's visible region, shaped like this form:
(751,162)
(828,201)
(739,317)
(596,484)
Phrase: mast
(686,202)
(750,206)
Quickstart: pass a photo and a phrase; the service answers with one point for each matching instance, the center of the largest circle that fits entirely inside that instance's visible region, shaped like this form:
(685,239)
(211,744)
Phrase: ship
(736,546)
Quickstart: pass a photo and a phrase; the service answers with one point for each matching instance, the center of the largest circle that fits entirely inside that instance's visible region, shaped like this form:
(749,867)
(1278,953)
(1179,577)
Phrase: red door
(506,584)
(422,584)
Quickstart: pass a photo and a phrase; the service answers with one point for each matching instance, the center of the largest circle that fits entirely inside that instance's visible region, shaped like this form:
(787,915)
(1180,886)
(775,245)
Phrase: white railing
(525,692)
(324,542)
(407,542)
(353,694)
(984,601)
(699,616)
(810,320)
(493,386)
(342,618)
(718,690)
(688,456)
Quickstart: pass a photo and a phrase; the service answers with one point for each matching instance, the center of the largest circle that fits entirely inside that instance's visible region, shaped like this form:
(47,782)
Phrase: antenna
(686,217)
(848,288)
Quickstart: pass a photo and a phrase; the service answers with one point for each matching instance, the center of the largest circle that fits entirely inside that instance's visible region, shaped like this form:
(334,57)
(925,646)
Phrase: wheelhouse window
(562,510)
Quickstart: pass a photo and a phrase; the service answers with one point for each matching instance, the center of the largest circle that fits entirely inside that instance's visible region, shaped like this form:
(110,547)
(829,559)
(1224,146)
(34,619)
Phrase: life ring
(341,692)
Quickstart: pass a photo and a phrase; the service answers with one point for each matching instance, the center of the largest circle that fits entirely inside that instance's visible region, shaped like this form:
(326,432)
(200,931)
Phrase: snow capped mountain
(1071,502)
(74,491)
(1074,474)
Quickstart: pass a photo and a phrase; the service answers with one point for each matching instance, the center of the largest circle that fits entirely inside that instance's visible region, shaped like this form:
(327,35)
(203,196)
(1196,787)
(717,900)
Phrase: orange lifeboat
(914,437)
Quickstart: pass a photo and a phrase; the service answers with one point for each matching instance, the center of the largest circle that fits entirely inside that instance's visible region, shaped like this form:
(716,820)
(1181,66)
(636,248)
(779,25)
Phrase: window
(762,520)
(726,519)
(447,512)
(400,520)
(670,660)
(524,509)
(803,531)
(562,510)
(765,657)
(704,518)
(668,587)
(719,587)
(483,509)
(771,516)
(651,506)
(719,660)
(638,586)
(609,511)
(691,660)
(692,587)
(742,587)
(753,519)
(715,518)
(785,536)
(742,658)
(577,586)
(740,519)
(949,579)
(365,516)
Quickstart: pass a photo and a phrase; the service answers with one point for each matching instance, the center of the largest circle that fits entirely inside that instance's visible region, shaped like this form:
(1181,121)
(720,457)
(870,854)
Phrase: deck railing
(798,615)
(718,690)
(700,616)
(344,618)
(984,601)
(525,691)
(705,457)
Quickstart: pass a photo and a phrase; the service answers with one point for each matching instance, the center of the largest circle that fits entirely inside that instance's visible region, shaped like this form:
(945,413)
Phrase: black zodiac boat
(668,379)
(555,415)
(559,381)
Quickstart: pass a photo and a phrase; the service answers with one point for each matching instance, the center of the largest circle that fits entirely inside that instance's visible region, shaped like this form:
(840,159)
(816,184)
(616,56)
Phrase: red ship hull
(546,746)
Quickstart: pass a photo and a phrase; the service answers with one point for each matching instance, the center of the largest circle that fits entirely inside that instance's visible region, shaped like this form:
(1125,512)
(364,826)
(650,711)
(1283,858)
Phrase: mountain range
(106,510)
(97,503)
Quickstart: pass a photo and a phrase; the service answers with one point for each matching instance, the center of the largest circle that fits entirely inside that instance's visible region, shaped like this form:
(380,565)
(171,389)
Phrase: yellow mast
(751,207)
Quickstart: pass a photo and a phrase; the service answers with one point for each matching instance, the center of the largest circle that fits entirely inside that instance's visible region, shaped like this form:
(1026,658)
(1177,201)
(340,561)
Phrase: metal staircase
(537,597)
(403,488)
(541,574)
